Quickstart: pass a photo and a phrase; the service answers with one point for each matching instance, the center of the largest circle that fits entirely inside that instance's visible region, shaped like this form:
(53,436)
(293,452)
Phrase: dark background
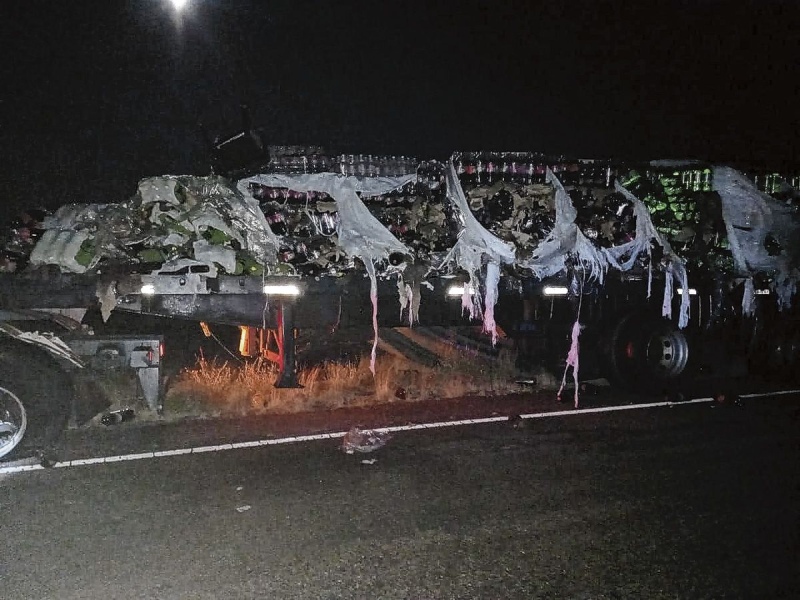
(96,95)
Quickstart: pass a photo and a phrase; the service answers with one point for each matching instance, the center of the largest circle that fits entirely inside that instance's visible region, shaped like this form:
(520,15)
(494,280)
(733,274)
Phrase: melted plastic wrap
(169,218)
(364,440)
(762,232)
(508,214)
(360,234)
(476,246)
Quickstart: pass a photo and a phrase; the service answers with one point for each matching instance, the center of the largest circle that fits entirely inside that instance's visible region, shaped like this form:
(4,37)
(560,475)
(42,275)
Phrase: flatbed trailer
(633,323)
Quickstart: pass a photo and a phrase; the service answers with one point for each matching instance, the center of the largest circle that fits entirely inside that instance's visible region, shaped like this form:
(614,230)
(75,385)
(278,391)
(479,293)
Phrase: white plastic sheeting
(72,225)
(475,247)
(624,257)
(750,216)
(60,248)
(565,241)
(213,254)
(360,233)
(194,204)
(573,360)
(210,202)
(490,299)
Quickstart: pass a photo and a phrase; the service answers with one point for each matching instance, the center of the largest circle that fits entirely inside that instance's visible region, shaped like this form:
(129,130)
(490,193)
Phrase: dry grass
(211,388)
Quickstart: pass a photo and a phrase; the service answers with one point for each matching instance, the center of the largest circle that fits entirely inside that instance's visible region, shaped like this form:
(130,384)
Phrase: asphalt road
(682,502)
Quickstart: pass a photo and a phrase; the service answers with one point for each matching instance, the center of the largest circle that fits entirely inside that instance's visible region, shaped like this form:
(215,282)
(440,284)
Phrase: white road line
(339,434)
(255,444)
(21,468)
(172,452)
(765,394)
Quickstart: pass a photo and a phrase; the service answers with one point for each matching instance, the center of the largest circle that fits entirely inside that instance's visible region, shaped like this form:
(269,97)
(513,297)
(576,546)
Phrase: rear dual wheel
(646,351)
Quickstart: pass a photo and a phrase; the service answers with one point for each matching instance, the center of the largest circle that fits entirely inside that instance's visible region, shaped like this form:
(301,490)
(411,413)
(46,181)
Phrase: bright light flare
(692,292)
(458,291)
(179,4)
(282,290)
(555,290)
(148,289)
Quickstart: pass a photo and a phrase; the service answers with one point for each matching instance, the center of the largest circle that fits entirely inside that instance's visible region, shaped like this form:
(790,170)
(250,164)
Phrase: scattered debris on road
(243,508)
(364,440)
(118,416)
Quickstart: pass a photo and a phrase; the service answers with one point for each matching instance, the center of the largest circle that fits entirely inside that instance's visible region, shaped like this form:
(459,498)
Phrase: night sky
(93,99)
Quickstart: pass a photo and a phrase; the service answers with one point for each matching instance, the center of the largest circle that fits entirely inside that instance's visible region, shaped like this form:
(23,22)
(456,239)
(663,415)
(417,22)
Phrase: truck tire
(13,421)
(35,401)
(647,353)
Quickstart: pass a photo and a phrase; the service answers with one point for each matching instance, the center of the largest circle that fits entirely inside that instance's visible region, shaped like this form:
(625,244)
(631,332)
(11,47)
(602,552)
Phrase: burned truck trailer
(670,269)
(641,270)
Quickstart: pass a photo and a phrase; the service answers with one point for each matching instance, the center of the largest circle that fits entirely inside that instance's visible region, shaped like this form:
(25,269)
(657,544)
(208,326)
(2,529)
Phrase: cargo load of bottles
(507,193)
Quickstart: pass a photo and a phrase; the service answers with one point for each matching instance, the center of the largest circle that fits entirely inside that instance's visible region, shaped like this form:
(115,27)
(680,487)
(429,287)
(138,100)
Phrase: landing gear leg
(287,376)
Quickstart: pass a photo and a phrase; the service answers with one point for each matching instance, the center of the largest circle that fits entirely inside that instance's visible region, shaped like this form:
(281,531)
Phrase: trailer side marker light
(458,291)
(692,292)
(289,289)
(148,289)
(553,290)
(764,292)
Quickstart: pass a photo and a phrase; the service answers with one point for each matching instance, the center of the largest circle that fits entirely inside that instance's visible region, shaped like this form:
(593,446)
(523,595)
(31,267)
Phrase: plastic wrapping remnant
(566,240)
(210,208)
(110,229)
(364,440)
(490,299)
(184,266)
(360,233)
(373,298)
(624,257)
(573,358)
(70,250)
(212,254)
(163,221)
(475,245)
(751,217)
(409,300)
(107,297)
(749,298)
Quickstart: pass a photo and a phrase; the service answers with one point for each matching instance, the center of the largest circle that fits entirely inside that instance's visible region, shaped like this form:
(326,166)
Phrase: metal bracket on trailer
(287,376)
(276,345)
(142,354)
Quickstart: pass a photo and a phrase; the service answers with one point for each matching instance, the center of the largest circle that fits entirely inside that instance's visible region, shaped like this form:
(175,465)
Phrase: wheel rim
(13,421)
(667,353)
